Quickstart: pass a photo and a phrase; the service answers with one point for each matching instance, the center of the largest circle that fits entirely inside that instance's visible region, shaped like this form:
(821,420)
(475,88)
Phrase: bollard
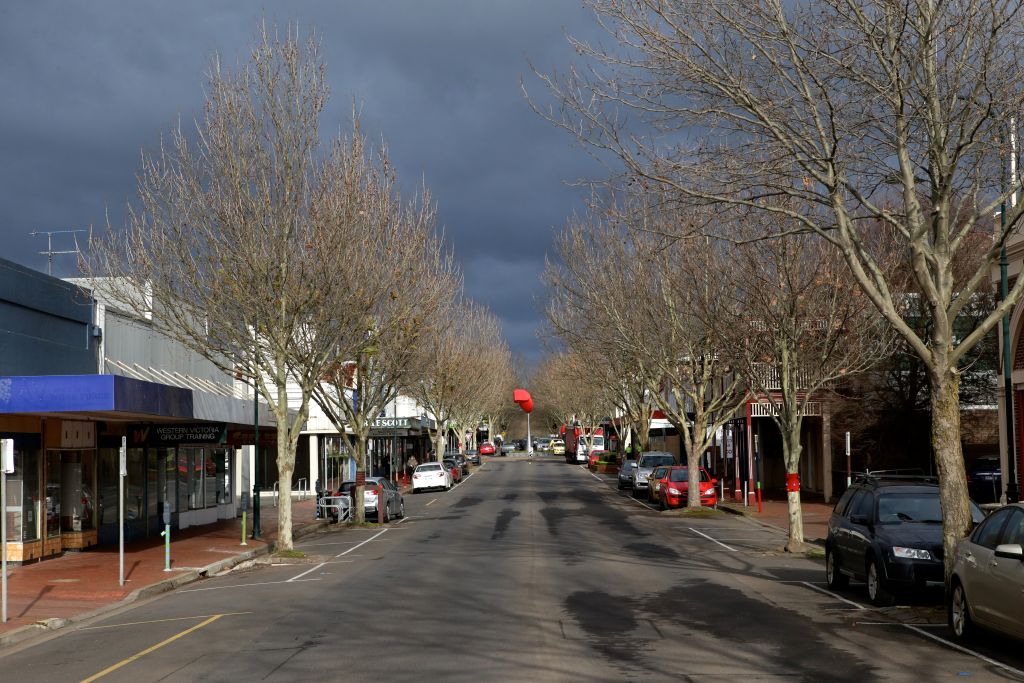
(166,533)
(243,528)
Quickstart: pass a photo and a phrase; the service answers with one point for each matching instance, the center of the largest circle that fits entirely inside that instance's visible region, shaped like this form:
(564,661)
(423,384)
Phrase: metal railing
(335,508)
(302,487)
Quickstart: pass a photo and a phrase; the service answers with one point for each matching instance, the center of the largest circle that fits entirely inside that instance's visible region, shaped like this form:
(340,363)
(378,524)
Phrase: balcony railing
(767,377)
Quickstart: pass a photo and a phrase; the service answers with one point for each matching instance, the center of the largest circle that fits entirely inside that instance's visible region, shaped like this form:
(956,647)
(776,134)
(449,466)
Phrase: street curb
(40,628)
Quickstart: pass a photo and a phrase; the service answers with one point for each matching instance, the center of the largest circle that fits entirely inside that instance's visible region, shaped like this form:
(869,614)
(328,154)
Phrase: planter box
(607,468)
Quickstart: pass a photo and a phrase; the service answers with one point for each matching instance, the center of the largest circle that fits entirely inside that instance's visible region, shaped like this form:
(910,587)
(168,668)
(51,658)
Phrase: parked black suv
(886,530)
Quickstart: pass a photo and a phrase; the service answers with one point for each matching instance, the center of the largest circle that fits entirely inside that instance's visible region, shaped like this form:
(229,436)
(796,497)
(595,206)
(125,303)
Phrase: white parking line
(831,594)
(361,544)
(713,540)
(402,520)
(241,585)
(431,502)
(308,571)
(947,643)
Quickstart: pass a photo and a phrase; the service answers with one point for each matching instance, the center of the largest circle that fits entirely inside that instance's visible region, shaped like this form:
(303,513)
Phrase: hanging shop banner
(244,437)
(171,435)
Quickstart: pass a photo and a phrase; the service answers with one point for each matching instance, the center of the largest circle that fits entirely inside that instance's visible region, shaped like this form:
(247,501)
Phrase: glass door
(53,494)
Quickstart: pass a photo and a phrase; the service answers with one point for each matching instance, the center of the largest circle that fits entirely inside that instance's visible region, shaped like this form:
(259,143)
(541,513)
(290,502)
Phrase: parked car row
(656,476)
(886,530)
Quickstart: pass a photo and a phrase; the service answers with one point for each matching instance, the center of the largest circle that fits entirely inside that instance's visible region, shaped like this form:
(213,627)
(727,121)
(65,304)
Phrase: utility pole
(1012,489)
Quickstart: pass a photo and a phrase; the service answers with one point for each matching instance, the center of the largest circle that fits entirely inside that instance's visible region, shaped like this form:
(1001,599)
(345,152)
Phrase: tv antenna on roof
(51,252)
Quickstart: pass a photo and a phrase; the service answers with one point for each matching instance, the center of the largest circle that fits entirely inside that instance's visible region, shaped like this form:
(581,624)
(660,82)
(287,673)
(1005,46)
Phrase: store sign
(245,437)
(395,423)
(171,435)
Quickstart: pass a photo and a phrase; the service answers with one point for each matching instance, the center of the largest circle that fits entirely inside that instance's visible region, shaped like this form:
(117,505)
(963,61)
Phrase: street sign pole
(529,437)
(123,472)
(6,467)
(849,469)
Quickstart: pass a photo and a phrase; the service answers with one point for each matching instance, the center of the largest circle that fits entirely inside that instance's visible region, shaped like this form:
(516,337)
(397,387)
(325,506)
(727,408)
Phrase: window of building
(23,504)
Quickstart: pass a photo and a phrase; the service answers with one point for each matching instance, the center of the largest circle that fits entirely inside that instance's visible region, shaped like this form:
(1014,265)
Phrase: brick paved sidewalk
(75,585)
(776,513)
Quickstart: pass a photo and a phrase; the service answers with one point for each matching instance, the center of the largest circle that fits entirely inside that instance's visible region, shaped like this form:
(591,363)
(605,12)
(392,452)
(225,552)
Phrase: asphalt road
(529,570)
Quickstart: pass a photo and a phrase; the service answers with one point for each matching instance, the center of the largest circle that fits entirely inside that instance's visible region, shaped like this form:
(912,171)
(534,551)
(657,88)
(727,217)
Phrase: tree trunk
(285,468)
(643,432)
(439,445)
(358,502)
(692,471)
(956,509)
(792,450)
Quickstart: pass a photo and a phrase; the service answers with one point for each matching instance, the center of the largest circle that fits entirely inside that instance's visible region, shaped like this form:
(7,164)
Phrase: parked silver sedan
(987,585)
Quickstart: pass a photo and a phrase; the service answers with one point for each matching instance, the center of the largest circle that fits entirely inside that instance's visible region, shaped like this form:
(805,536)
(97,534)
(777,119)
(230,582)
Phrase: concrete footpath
(49,594)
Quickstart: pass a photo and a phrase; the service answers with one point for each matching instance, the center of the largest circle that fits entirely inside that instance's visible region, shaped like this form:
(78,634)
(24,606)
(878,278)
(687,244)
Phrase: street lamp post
(256,531)
(1012,489)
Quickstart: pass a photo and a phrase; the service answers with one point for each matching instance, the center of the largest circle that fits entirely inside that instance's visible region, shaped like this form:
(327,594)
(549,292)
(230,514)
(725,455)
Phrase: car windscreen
(428,468)
(894,508)
(656,460)
(684,475)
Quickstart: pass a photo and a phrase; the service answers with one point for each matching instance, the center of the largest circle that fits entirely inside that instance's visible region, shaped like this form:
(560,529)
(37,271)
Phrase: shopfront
(63,494)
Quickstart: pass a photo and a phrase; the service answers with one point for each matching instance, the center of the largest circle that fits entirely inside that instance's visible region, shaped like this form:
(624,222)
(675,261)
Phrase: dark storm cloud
(87,86)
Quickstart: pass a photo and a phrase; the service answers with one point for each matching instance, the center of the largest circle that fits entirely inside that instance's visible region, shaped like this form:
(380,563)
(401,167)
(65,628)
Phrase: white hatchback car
(431,475)
(988,576)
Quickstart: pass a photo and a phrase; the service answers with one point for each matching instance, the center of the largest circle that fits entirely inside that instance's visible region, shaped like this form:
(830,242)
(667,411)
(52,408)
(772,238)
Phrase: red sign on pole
(523,398)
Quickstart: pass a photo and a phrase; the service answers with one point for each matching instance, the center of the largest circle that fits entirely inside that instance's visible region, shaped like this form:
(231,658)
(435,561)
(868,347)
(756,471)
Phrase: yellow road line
(145,652)
(160,621)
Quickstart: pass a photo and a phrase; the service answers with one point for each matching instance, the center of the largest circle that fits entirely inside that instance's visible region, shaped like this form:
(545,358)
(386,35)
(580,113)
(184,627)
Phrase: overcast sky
(87,85)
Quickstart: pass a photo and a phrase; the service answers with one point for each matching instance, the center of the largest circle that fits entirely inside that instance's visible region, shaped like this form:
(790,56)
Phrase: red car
(454,468)
(486,448)
(675,485)
(594,457)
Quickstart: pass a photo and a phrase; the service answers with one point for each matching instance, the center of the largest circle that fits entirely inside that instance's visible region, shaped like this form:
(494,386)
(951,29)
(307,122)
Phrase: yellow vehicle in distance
(557,447)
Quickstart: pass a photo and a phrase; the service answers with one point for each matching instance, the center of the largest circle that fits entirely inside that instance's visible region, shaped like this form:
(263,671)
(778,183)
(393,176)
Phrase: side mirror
(863,520)
(633,464)
(714,482)
(1010,551)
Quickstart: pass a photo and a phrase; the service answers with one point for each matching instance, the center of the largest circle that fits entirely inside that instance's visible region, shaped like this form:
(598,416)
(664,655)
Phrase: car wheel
(876,591)
(833,576)
(621,485)
(661,504)
(401,510)
(387,513)
(959,614)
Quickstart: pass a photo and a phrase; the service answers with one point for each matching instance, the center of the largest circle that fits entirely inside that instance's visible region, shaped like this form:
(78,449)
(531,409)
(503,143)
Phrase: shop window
(197,498)
(210,477)
(77,499)
(183,478)
(23,504)
(107,482)
(135,486)
(223,474)
(53,494)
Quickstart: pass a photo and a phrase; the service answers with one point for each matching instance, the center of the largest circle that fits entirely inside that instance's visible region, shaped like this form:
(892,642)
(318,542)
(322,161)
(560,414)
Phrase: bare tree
(225,248)
(393,277)
(867,111)
(454,364)
(798,325)
(659,306)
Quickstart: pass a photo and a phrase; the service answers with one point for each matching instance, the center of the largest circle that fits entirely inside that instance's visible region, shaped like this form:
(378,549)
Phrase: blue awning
(80,394)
